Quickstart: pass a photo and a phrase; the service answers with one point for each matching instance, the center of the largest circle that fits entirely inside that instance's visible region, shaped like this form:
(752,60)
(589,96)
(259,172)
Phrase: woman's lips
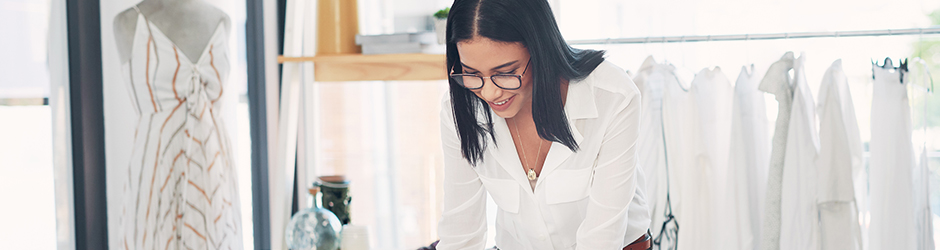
(504,106)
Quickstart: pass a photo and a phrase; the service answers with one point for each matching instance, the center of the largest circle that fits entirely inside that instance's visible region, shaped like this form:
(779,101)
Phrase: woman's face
(485,57)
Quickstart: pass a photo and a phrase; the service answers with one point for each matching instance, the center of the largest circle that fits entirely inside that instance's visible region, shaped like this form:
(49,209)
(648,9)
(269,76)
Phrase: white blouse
(589,199)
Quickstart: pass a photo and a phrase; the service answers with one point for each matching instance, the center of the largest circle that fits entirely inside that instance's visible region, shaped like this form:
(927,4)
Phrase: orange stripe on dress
(219,78)
(194,231)
(213,161)
(153,179)
(168,242)
(194,139)
(203,112)
(157,158)
(177,54)
(200,190)
(168,119)
(217,218)
(168,175)
(147,70)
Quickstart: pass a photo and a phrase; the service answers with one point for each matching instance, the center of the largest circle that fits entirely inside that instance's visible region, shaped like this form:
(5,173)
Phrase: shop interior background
(385,136)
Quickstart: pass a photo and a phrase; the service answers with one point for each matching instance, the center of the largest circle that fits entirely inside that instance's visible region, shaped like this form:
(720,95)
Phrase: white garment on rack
(922,204)
(663,77)
(680,126)
(921,171)
(799,223)
(697,126)
(713,95)
(777,82)
(748,159)
(650,148)
(840,156)
(892,163)
(791,218)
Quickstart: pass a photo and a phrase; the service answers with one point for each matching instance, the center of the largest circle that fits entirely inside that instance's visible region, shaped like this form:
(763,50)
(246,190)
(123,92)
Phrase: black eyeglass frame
(517,76)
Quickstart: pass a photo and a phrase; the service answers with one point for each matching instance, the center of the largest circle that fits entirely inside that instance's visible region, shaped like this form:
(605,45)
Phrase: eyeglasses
(503,81)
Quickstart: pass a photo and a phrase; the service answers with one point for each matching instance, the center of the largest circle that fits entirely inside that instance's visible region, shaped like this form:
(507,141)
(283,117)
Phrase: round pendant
(531,174)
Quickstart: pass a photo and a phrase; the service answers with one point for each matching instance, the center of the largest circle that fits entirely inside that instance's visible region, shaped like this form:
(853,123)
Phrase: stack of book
(399,43)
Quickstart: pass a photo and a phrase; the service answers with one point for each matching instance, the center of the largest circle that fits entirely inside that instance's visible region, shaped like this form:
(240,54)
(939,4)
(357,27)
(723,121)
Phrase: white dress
(748,159)
(840,159)
(892,163)
(180,190)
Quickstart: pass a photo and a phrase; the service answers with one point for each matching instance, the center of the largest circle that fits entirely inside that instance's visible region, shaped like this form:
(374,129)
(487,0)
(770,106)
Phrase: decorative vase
(337,26)
(314,228)
(334,195)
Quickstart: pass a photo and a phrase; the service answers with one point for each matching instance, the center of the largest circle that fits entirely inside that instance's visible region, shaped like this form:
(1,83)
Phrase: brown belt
(643,243)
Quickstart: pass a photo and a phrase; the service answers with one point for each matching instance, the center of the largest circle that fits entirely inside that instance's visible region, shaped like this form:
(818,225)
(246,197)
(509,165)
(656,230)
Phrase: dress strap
(146,22)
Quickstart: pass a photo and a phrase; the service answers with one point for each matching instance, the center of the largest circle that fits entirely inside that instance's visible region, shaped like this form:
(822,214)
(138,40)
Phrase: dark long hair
(532,23)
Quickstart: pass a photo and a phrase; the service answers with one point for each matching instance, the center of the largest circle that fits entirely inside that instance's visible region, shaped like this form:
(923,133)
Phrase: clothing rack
(766,36)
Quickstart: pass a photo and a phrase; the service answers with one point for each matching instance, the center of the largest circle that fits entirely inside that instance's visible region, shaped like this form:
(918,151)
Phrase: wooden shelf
(391,67)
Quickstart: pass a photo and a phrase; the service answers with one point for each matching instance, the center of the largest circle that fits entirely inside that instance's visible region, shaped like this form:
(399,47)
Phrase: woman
(559,159)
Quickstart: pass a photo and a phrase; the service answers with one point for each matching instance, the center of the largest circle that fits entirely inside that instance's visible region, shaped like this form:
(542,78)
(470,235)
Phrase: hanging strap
(147,23)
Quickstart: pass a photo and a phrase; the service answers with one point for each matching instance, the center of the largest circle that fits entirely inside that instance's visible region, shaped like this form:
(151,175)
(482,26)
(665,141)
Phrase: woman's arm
(614,181)
(463,222)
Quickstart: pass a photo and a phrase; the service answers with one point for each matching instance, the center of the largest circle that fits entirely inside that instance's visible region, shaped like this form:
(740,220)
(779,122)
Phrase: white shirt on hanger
(680,125)
(748,160)
(590,199)
(840,159)
(713,96)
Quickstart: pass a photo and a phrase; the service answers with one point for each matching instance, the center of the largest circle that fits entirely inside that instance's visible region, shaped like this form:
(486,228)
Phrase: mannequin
(189,23)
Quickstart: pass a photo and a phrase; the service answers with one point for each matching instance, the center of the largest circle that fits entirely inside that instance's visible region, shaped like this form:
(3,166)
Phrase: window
(27,178)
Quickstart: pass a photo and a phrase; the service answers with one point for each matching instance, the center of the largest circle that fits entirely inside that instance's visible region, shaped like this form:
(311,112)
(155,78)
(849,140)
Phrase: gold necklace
(531,173)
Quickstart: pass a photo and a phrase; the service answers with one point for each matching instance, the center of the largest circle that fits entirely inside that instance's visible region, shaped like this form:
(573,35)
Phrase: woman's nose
(489,91)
